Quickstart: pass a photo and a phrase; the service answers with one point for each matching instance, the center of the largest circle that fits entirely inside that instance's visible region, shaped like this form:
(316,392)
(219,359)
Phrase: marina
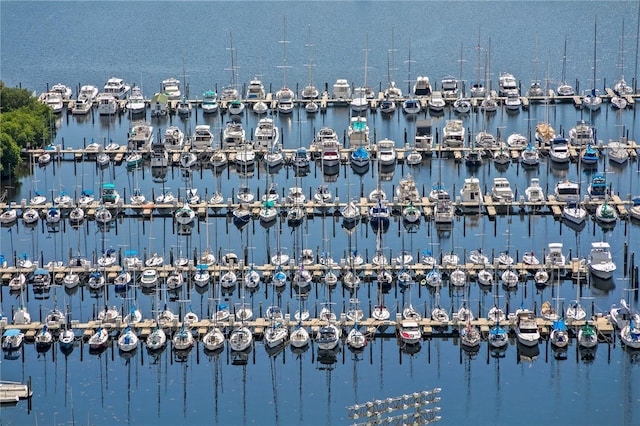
(248,231)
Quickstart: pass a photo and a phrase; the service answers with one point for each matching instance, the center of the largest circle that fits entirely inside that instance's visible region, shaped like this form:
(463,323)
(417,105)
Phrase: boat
(589,156)
(436,102)
(98,340)
(564,88)
(566,190)
(171,88)
(453,134)
(12,340)
(210,103)
(555,259)
(386,153)
(618,151)
(530,156)
(559,150)
(605,214)
(501,190)
(409,332)
(341,92)
(587,337)
(107,104)
(582,134)
(599,261)
(534,193)
(527,329)
(507,84)
(136,103)
(310,92)
(128,340)
(359,159)
(82,106)
(559,335)
(470,337)
(574,213)
(173,139)
(592,99)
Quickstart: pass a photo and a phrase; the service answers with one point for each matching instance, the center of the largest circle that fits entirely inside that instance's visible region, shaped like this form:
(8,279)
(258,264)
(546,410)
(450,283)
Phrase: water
(288,388)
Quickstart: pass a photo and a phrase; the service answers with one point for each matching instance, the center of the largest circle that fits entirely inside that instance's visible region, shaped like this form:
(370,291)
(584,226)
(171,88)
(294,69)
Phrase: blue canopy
(12,332)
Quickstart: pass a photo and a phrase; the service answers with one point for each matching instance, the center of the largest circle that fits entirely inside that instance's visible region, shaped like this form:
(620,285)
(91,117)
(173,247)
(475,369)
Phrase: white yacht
(449,87)
(567,190)
(341,91)
(471,194)
(107,104)
(507,84)
(386,152)
(53,100)
(582,134)
(173,139)
(82,106)
(233,135)
(422,86)
(210,103)
(171,87)
(453,134)
(358,133)
(559,150)
(267,134)
(501,190)
(202,138)
(136,103)
(555,258)
(255,90)
(88,91)
(600,262)
(117,88)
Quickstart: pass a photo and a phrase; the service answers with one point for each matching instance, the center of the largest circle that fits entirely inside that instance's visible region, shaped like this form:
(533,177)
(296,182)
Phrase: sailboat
(593,100)
(275,335)
(285,95)
(564,89)
(310,92)
(461,105)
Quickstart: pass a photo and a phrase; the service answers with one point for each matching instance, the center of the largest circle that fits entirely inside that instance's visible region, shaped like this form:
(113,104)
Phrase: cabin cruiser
(507,84)
(582,134)
(107,104)
(210,102)
(567,190)
(202,138)
(358,132)
(255,90)
(117,88)
(233,136)
(173,139)
(449,87)
(136,103)
(267,134)
(422,86)
(501,190)
(453,134)
(171,87)
(341,91)
(471,194)
(600,262)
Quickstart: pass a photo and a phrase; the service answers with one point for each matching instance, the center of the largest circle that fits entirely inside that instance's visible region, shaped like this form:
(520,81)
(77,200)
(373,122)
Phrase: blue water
(86,43)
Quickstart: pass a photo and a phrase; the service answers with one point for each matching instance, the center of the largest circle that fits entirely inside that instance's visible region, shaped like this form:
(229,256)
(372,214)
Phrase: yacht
(107,104)
(559,150)
(233,136)
(173,139)
(501,190)
(555,258)
(171,87)
(527,328)
(386,152)
(534,192)
(453,134)
(358,132)
(81,106)
(449,87)
(202,138)
(255,90)
(117,88)
(210,102)
(618,151)
(88,91)
(581,134)
(600,262)
(422,86)
(471,194)
(423,138)
(567,190)
(136,103)
(341,91)
(267,134)
(507,85)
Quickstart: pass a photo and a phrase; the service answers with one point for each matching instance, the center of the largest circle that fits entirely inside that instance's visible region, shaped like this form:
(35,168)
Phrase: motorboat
(386,152)
(566,190)
(173,139)
(82,106)
(171,87)
(422,86)
(453,134)
(534,192)
(618,151)
(210,103)
(527,329)
(409,332)
(559,150)
(605,214)
(599,261)
(436,102)
(233,135)
(555,258)
(341,91)
(507,85)
(501,190)
(107,104)
(267,134)
(136,103)
(449,87)
(581,134)
(117,88)
(589,156)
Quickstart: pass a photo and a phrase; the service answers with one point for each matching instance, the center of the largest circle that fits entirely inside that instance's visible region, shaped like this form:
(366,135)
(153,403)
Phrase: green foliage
(24,123)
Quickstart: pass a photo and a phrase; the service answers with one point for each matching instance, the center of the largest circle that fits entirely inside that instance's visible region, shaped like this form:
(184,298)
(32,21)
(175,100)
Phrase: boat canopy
(12,332)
